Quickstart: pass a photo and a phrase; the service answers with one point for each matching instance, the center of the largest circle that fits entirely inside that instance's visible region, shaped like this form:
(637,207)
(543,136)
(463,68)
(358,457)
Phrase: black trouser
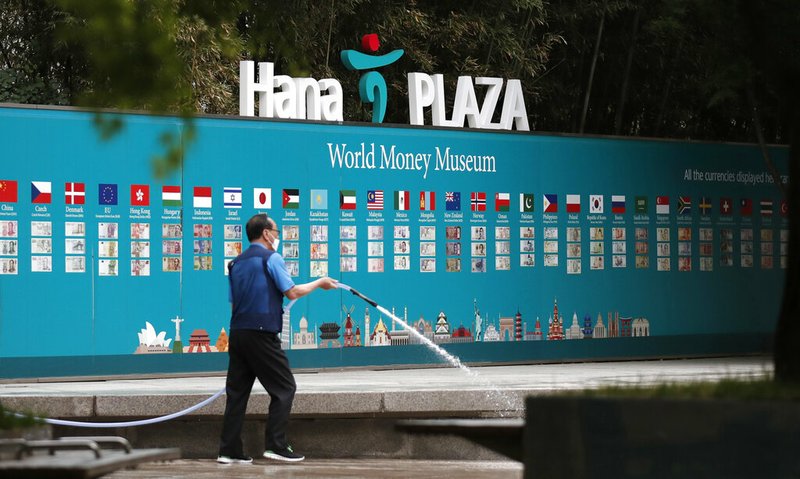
(251,355)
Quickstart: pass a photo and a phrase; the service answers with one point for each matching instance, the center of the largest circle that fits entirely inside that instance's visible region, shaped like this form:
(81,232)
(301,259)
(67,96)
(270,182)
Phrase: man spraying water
(258,282)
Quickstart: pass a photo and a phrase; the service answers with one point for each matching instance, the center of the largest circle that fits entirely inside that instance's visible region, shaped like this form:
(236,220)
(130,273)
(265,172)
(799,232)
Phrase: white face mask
(275,243)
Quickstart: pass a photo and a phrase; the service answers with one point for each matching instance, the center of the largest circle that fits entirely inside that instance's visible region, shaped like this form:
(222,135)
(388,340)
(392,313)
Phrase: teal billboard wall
(666,242)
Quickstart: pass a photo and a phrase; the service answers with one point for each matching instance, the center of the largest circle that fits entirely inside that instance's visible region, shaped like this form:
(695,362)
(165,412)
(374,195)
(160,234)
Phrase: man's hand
(327,283)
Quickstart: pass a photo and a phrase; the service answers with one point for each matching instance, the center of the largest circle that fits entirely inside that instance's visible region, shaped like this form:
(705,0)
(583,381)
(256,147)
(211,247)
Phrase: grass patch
(8,420)
(735,389)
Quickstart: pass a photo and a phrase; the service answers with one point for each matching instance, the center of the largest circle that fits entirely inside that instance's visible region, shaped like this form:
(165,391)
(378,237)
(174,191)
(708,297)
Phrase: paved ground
(331,468)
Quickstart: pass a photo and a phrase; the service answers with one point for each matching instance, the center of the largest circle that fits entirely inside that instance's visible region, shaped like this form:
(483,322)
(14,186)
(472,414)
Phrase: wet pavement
(327,468)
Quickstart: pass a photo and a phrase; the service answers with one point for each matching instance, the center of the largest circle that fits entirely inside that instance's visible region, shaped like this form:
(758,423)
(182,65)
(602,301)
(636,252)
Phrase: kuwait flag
(550,204)
(662,205)
(618,204)
(427,200)
(347,199)
(477,201)
(262,198)
(41,192)
(402,199)
(291,199)
(573,203)
(75,193)
(502,201)
(202,197)
(8,191)
(171,195)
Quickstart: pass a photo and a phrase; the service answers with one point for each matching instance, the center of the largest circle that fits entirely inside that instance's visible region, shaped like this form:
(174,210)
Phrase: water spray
(510,403)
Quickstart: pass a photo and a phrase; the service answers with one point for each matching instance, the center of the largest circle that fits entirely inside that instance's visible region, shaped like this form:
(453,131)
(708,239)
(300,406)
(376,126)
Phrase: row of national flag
(202,197)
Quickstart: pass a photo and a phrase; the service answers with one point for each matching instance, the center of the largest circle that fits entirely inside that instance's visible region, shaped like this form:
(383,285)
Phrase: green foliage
(9,421)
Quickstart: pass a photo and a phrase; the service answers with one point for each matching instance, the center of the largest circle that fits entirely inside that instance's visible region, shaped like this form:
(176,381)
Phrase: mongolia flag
(202,197)
(573,203)
(502,201)
(550,204)
(140,195)
(347,199)
(427,200)
(171,195)
(618,204)
(75,193)
(402,199)
(452,201)
(41,192)
(662,205)
(8,191)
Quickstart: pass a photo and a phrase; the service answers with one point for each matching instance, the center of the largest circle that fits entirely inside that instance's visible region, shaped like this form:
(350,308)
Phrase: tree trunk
(591,69)
(787,332)
(623,95)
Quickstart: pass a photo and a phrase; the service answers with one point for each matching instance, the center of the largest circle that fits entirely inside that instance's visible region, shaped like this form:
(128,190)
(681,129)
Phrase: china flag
(8,191)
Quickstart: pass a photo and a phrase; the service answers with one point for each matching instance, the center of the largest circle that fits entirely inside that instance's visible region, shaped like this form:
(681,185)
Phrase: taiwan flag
(746,207)
(41,192)
(140,195)
(8,191)
(477,201)
(75,193)
(452,201)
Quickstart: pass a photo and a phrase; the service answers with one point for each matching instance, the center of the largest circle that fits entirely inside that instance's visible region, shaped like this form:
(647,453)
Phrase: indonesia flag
(202,197)
(573,203)
(75,193)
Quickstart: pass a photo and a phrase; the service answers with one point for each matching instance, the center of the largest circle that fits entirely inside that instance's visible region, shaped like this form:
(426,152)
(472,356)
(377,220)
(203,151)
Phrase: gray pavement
(425,392)
(328,468)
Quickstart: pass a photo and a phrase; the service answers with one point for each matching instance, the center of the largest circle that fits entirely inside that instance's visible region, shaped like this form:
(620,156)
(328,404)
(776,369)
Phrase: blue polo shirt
(257,297)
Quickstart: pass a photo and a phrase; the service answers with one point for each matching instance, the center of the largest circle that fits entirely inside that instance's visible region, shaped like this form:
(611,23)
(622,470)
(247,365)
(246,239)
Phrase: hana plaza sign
(282,96)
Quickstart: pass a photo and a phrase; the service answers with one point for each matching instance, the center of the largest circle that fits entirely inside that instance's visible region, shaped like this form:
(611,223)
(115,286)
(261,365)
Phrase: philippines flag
(550,204)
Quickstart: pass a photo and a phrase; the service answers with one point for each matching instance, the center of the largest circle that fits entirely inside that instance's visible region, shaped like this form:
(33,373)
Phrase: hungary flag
(171,195)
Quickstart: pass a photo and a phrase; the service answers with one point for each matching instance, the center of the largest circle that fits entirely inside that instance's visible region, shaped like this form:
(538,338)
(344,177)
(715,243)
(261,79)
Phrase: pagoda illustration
(199,342)
(380,336)
(518,326)
(330,336)
(555,330)
(587,327)
(441,333)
